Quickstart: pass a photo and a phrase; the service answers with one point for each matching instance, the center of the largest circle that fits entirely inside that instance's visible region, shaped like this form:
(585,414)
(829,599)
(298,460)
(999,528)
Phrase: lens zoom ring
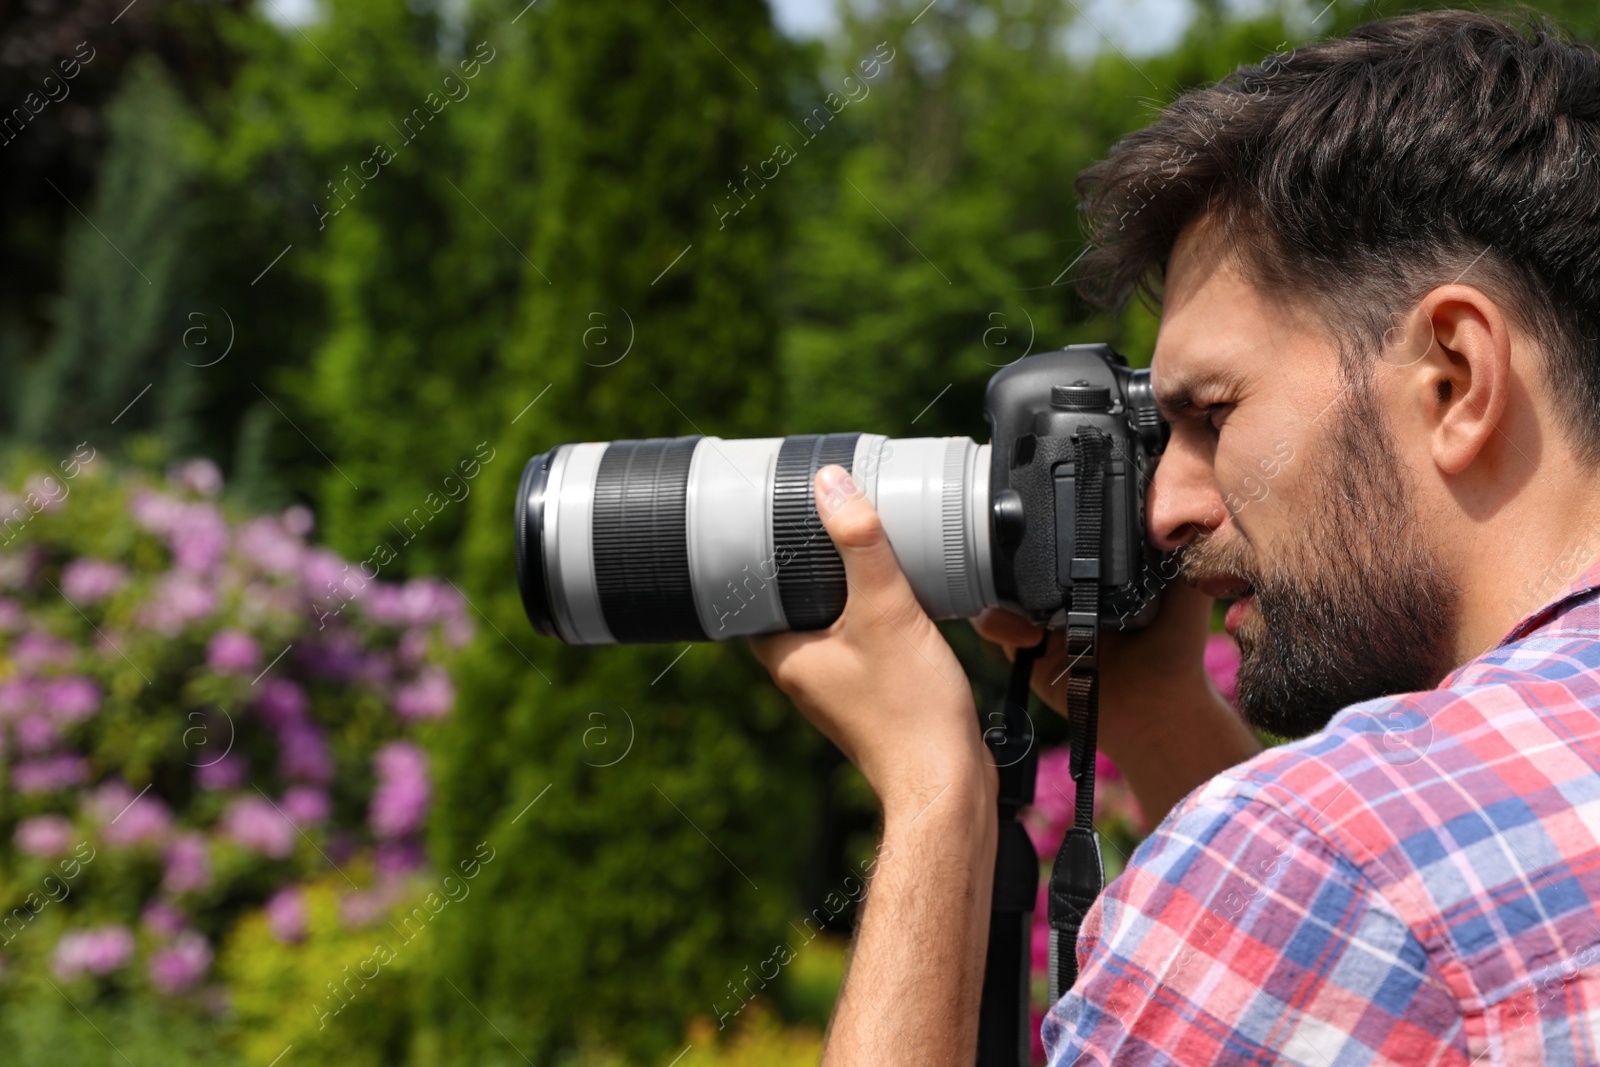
(811,581)
(957,569)
(640,540)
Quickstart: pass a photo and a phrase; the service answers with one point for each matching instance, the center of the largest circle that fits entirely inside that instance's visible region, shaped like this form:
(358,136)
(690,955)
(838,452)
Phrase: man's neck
(1523,556)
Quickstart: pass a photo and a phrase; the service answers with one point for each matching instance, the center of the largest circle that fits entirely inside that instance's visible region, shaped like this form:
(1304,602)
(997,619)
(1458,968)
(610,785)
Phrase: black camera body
(1036,407)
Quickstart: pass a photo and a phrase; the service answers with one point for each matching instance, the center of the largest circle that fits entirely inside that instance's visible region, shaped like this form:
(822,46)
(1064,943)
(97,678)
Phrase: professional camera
(702,538)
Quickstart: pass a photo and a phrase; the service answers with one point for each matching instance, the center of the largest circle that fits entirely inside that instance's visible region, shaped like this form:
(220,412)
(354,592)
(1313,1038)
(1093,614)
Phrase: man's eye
(1216,415)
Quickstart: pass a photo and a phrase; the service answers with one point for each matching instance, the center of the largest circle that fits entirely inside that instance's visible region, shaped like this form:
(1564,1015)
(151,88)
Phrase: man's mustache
(1206,557)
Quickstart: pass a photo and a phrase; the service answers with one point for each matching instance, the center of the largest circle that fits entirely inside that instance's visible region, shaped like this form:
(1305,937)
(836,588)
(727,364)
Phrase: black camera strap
(1003,1018)
(1079,874)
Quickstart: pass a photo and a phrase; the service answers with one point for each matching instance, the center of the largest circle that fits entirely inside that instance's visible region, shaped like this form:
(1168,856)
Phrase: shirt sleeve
(1237,935)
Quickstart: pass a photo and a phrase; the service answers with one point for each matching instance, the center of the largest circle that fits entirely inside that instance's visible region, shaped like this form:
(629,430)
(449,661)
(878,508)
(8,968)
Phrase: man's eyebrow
(1176,398)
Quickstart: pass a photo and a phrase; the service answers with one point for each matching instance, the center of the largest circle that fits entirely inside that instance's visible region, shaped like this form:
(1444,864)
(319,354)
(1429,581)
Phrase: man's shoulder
(1369,753)
(1468,809)
(1477,735)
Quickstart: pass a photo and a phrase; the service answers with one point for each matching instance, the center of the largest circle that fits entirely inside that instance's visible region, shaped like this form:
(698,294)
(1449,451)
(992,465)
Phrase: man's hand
(884,685)
(1162,722)
(880,682)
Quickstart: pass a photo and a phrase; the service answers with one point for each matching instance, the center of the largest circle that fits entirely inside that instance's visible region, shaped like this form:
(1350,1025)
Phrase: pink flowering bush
(201,714)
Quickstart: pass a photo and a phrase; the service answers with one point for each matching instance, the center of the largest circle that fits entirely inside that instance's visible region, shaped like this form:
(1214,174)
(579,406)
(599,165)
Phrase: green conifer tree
(624,900)
(115,365)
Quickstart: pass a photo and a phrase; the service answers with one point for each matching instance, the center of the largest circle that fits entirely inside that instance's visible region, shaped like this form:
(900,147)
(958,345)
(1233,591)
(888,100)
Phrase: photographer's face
(1282,489)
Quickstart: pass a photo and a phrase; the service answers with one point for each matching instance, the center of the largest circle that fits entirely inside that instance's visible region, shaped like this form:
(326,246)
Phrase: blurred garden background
(291,292)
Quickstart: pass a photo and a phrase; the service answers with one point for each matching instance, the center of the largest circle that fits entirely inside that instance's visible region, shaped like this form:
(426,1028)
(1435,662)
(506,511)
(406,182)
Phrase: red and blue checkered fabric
(1417,884)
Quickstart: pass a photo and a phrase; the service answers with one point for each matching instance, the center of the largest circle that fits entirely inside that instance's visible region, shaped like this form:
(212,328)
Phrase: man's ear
(1463,379)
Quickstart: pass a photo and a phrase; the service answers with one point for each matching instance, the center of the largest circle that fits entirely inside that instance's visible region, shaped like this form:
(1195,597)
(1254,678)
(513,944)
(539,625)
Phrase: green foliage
(49,1031)
(341,996)
(127,262)
(380,190)
(654,861)
(942,244)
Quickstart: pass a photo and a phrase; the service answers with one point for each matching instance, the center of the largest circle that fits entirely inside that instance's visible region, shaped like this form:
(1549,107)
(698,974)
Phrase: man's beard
(1357,608)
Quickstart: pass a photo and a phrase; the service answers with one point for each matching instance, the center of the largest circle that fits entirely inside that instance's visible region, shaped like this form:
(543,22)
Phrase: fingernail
(836,480)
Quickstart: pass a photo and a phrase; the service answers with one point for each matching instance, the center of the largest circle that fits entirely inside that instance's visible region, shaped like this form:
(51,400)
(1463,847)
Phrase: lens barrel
(702,538)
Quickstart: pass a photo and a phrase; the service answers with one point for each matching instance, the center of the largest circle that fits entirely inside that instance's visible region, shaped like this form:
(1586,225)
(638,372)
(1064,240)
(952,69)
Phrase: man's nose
(1184,501)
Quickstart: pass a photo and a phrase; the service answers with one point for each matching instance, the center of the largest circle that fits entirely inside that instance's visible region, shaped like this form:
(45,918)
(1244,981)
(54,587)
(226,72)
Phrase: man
(1378,262)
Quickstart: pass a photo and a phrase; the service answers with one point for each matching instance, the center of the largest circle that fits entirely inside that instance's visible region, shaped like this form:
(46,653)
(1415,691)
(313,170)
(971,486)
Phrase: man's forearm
(912,989)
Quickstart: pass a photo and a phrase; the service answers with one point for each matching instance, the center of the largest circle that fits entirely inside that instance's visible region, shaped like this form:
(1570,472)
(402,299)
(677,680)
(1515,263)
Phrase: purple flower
(298,520)
(401,799)
(197,476)
(188,860)
(282,702)
(430,600)
(255,824)
(303,754)
(305,804)
(199,539)
(458,631)
(178,968)
(97,951)
(413,647)
(155,511)
(162,919)
(128,818)
(179,600)
(429,697)
(420,602)
(228,772)
(269,546)
(71,699)
(35,734)
(387,605)
(88,580)
(12,618)
(287,915)
(1222,665)
(337,656)
(233,652)
(37,649)
(17,697)
(44,835)
(51,773)
(329,580)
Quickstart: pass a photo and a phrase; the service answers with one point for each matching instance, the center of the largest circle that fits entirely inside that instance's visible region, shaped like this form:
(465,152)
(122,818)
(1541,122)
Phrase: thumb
(852,522)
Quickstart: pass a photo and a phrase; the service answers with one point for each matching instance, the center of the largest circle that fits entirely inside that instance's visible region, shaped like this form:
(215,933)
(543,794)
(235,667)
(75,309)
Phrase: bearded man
(1378,256)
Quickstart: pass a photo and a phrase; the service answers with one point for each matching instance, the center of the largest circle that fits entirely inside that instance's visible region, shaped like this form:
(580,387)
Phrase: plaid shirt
(1417,884)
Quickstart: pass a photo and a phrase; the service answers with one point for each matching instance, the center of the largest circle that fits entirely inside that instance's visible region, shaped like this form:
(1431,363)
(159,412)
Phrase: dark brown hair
(1358,173)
